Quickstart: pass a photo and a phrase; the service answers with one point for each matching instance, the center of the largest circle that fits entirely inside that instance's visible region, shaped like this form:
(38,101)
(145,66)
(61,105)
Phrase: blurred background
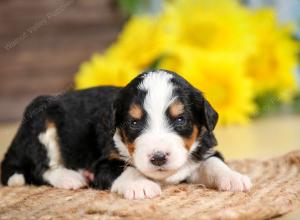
(244,56)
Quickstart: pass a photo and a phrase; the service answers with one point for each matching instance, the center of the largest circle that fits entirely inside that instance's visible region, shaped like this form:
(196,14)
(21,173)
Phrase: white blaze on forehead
(159,96)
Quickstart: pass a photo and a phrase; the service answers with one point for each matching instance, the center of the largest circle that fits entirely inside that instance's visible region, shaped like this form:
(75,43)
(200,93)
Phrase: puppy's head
(162,122)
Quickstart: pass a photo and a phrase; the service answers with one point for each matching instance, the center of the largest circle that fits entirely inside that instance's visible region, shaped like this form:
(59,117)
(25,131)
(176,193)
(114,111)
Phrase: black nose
(158,158)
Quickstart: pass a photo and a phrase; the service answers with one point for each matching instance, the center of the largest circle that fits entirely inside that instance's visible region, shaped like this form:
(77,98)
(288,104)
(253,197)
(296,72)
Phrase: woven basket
(276,191)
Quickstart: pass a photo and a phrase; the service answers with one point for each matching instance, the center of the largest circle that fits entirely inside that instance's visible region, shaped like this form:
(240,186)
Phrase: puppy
(157,130)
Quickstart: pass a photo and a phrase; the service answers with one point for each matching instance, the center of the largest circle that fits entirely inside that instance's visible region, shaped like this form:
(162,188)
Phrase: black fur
(106,171)
(85,124)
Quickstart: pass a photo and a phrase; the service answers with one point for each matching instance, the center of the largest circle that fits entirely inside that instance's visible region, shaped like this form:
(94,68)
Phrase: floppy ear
(204,112)
(207,118)
(211,116)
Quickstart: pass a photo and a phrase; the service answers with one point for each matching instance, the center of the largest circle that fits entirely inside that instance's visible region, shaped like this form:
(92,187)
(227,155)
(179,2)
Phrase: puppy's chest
(183,174)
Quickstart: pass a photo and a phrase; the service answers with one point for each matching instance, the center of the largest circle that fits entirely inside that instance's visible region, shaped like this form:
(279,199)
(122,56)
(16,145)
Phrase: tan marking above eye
(176,108)
(136,111)
(191,140)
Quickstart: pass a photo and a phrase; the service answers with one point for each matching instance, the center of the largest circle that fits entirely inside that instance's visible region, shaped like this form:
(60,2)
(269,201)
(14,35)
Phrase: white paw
(233,181)
(16,180)
(139,189)
(65,178)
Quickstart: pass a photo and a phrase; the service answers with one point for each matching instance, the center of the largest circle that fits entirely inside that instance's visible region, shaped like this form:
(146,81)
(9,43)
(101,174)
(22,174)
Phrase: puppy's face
(161,120)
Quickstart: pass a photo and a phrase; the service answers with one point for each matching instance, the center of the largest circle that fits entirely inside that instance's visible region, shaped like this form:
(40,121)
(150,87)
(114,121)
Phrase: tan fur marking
(50,124)
(136,112)
(130,146)
(191,140)
(114,155)
(176,108)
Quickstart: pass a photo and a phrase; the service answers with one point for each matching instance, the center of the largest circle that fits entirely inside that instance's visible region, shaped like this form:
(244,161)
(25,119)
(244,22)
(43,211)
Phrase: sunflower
(102,70)
(212,25)
(273,64)
(141,42)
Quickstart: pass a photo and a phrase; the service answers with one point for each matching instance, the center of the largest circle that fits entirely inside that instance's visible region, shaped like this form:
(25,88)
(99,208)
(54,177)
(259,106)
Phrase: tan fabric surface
(276,191)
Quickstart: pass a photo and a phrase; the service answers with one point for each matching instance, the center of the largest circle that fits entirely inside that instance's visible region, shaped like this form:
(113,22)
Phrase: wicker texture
(276,191)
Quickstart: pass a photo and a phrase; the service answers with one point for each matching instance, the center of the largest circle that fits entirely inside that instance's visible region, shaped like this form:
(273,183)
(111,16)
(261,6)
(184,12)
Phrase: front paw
(139,189)
(233,181)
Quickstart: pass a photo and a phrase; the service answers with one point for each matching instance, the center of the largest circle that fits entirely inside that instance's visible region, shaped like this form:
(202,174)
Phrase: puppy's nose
(158,158)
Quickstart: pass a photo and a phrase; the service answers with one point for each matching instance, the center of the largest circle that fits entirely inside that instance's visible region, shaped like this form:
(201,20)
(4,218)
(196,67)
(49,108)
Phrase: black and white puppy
(156,130)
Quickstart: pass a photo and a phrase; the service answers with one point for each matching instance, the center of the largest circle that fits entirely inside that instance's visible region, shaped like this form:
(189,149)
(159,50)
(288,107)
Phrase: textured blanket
(276,191)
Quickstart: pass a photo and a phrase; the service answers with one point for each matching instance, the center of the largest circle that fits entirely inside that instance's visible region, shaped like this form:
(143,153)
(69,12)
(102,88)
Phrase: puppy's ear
(207,118)
(211,116)
(203,111)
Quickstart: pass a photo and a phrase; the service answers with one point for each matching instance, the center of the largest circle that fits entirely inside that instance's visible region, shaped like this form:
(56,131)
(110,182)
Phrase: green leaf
(129,7)
(155,63)
(134,7)
(267,102)
(296,103)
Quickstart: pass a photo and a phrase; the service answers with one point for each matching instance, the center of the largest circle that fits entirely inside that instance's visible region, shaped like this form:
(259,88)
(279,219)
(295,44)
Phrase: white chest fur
(183,173)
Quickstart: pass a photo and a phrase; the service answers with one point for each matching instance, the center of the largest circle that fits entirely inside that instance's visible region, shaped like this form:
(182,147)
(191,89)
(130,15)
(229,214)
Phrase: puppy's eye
(134,124)
(180,121)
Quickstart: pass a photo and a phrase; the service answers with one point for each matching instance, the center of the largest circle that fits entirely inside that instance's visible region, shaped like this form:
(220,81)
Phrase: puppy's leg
(105,172)
(213,172)
(57,175)
(133,185)
(11,172)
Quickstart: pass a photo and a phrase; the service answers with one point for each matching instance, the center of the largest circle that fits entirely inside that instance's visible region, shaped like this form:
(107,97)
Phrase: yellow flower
(231,53)
(176,59)
(102,70)
(141,42)
(213,25)
(272,65)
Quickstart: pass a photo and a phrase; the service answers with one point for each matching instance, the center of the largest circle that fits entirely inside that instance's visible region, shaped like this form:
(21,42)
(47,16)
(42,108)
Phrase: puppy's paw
(139,189)
(16,180)
(233,181)
(65,178)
